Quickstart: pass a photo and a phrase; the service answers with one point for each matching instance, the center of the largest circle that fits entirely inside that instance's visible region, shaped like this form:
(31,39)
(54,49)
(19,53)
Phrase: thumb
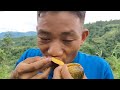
(57,72)
(65,72)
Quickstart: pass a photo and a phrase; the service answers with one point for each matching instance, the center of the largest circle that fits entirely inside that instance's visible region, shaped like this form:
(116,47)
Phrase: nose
(55,49)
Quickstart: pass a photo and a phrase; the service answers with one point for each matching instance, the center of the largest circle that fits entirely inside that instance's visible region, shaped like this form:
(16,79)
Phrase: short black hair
(80,14)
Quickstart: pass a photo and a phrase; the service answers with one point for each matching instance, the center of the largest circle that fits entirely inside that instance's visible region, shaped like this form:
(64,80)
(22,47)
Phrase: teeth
(57,61)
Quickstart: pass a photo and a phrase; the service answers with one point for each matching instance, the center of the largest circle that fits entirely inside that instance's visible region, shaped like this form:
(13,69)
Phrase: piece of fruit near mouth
(75,69)
(56,61)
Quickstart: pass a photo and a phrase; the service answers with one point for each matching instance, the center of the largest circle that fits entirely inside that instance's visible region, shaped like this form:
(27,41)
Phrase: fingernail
(48,59)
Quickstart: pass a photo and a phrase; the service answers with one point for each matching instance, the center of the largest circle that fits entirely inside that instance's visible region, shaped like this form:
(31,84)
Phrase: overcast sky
(26,20)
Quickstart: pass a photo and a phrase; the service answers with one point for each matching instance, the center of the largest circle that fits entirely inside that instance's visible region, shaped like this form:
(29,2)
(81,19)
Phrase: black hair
(80,14)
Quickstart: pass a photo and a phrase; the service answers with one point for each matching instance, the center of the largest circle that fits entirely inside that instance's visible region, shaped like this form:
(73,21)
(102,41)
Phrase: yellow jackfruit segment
(57,61)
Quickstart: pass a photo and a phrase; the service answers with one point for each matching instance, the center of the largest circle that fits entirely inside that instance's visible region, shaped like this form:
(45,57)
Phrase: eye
(67,41)
(44,40)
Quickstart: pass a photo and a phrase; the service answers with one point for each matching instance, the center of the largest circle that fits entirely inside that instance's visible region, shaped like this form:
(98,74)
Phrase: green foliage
(88,48)
(115,65)
(2,55)
(104,41)
(10,52)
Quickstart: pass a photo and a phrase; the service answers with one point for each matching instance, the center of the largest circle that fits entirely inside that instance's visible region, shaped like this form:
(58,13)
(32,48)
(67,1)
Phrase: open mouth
(56,62)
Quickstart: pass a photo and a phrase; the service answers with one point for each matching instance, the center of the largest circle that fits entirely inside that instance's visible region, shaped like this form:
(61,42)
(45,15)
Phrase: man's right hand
(30,68)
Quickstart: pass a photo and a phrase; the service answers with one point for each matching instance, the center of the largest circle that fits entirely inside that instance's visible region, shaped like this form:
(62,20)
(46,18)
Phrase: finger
(84,77)
(25,64)
(39,64)
(65,72)
(14,75)
(28,75)
(46,72)
(43,75)
(49,64)
(32,59)
(57,73)
(24,67)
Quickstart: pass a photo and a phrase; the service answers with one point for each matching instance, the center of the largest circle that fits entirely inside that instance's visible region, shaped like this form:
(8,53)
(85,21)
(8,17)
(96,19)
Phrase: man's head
(61,33)
(80,14)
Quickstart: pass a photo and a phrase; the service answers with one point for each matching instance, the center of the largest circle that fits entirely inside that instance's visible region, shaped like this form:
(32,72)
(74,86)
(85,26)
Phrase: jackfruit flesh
(75,69)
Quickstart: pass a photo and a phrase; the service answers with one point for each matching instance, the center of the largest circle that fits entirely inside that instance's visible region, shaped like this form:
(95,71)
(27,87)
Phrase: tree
(7,41)
(2,56)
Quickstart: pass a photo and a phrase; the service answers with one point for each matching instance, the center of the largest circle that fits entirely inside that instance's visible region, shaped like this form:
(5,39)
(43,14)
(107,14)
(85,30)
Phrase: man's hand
(30,68)
(61,72)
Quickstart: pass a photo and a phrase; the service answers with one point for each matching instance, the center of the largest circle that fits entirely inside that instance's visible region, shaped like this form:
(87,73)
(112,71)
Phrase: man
(60,34)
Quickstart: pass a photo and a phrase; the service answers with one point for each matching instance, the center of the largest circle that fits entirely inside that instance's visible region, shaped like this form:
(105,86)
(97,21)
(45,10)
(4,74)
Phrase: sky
(23,21)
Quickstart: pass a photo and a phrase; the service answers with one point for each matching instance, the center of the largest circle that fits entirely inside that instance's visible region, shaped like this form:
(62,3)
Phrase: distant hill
(18,34)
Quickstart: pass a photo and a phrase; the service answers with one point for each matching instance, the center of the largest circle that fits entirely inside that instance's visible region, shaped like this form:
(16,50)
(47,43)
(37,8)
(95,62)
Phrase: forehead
(60,21)
(58,13)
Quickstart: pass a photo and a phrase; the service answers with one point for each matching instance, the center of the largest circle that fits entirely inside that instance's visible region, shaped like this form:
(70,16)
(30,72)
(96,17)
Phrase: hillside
(103,41)
(18,34)
(104,37)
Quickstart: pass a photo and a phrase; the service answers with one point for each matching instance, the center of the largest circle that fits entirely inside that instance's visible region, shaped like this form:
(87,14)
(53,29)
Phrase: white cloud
(26,20)
(93,16)
(18,20)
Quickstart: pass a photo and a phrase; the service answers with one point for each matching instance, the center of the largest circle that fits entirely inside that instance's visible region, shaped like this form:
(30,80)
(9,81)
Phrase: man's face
(60,35)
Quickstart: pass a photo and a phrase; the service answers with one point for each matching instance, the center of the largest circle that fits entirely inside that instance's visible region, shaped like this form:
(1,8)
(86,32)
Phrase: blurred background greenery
(103,41)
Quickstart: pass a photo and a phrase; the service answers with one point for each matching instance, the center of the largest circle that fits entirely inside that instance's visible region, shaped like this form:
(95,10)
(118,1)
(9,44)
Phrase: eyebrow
(43,32)
(70,33)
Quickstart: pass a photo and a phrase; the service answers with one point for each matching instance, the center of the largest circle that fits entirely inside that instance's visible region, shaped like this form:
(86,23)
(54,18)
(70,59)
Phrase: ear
(85,34)
(36,28)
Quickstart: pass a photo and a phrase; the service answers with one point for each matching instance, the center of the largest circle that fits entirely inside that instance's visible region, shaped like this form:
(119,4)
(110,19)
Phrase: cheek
(73,48)
(71,51)
(76,45)
(43,47)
